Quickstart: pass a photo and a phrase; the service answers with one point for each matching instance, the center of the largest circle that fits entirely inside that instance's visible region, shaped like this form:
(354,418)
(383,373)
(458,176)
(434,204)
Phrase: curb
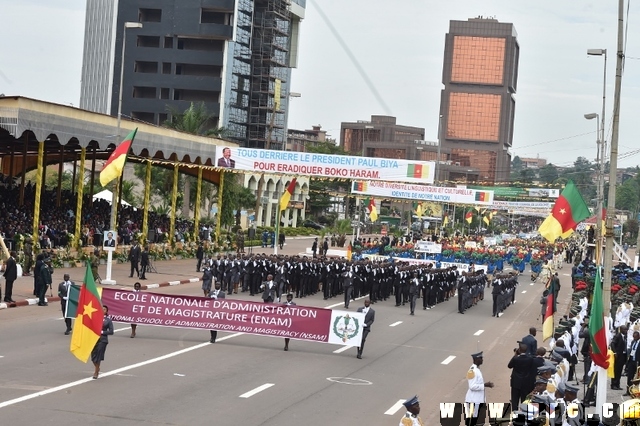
(34,301)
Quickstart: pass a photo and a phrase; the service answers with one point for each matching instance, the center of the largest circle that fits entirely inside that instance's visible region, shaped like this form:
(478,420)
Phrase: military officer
(475,394)
(411,417)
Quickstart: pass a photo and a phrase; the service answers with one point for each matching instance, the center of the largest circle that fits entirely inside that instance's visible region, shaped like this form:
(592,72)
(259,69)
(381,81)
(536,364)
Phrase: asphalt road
(175,377)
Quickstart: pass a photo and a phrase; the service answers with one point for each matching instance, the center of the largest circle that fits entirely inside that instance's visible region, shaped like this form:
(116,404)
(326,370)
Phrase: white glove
(365,325)
(65,298)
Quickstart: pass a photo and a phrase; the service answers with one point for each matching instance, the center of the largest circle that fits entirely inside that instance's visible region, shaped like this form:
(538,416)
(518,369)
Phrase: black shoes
(43,304)
(66,333)
(212,341)
(359,356)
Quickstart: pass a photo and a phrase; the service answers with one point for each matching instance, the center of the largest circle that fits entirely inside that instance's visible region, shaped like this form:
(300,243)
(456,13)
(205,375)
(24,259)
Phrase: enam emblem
(346,327)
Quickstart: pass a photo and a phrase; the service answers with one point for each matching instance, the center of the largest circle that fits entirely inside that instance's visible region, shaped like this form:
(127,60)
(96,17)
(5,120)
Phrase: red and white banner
(324,165)
(265,319)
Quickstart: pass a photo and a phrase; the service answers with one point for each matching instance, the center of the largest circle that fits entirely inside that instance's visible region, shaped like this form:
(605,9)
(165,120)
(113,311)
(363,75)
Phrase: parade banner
(510,191)
(462,267)
(232,315)
(324,165)
(522,205)
(422,192)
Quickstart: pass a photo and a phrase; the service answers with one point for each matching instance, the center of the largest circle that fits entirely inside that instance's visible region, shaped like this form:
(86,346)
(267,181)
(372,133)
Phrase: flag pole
(277,236)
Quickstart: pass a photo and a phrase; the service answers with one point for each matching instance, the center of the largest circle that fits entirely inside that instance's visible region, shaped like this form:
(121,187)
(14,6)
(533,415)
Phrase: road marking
(113,372)
(350,381)
(532,284)
(121,329)
(395,323)
(151,286)
(342,349)
(448,360)
(342,303)
(256,390)
(567,275)
(524,291)
(395,407)
(479,332)
(178,374)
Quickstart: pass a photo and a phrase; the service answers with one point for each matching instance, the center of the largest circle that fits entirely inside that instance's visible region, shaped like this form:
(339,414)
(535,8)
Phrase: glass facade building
(480,74)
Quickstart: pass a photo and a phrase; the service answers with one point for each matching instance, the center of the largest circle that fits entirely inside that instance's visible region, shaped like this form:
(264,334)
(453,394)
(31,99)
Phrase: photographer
(521,365)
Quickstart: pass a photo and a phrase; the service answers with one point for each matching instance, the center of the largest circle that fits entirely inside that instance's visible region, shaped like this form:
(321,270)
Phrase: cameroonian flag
(349,252)
(482,196)
(419,209)
(469,216)
(371,208)
(568,211)
(487,218)
(419,171)
(445,221)
(597,330)
(88,325)
(359,186)
(284,200)
(115,164)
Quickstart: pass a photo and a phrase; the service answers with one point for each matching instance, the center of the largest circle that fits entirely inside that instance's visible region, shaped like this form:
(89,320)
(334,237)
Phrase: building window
(168,42)
(144,92)
(211,16)
(164,93)
(478,60)
(146,117)
(150,15)
(474,116)
(146,67)
(148,41)
(206,45)
(166,68)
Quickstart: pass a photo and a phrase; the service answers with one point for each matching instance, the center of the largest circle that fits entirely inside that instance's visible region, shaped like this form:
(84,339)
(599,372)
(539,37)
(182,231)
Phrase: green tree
(161,182)
(628,195)
(321,191)
(516,164)
(548,173)
(235,197)
(197,121)
(127,192)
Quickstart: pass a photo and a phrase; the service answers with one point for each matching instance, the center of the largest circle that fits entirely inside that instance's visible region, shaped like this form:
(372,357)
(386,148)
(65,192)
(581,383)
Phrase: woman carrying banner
(97,354)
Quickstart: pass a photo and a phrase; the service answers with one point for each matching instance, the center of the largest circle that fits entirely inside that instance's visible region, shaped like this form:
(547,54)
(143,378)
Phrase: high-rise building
(477,109)
(235,56)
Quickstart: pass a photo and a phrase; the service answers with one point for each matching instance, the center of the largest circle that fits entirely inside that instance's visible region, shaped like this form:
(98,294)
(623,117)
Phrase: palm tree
(197,121)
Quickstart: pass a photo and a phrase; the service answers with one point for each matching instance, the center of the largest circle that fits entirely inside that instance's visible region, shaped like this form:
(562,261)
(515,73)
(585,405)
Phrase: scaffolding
(261,56)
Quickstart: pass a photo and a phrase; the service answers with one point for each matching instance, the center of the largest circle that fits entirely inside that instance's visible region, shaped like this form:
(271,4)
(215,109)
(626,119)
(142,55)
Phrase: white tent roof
(108,195)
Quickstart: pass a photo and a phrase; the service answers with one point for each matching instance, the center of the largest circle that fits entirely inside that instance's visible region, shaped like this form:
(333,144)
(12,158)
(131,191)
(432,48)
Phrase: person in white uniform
(475,394)
(413,409)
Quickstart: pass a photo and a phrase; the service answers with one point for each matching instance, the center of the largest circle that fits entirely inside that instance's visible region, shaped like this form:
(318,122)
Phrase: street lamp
(600,187)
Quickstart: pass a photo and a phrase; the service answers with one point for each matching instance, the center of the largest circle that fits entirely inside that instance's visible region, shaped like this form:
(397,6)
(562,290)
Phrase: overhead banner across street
(266,319)
(324,165)
(422,192)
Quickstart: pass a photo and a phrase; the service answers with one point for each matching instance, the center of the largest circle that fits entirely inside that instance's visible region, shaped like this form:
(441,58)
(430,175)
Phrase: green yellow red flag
(88,325)
(115,164)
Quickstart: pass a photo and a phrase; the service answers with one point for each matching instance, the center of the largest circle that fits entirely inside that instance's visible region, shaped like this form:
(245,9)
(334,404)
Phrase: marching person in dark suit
(10,275)
(134,258)
(348,278)
(270,290)
(216,294)
(199,256)
(289,302)
(520,366)
(632,362)
(45,281)
(414,292)
(369,318)
(531,342)
(63,294)
(144,262)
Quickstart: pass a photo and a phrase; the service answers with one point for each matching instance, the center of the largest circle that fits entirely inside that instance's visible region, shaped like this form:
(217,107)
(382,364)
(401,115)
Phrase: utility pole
(611,205)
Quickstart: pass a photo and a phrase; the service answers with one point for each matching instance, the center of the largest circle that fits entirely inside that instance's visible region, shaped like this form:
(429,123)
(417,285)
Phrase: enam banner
(324,165)
(422,192)
(265,319)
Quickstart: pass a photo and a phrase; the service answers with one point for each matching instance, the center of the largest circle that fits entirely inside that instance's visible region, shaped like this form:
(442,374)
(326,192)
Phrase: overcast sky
(399,45)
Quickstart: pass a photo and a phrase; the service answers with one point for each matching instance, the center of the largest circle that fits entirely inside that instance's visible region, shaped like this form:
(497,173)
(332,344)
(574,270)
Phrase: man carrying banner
(215,295)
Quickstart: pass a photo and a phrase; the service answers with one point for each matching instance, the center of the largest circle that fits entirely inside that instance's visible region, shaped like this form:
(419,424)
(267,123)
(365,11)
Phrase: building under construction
(235,56)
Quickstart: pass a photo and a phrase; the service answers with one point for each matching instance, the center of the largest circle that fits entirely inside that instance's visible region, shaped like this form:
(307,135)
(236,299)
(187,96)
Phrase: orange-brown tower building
(477,108)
